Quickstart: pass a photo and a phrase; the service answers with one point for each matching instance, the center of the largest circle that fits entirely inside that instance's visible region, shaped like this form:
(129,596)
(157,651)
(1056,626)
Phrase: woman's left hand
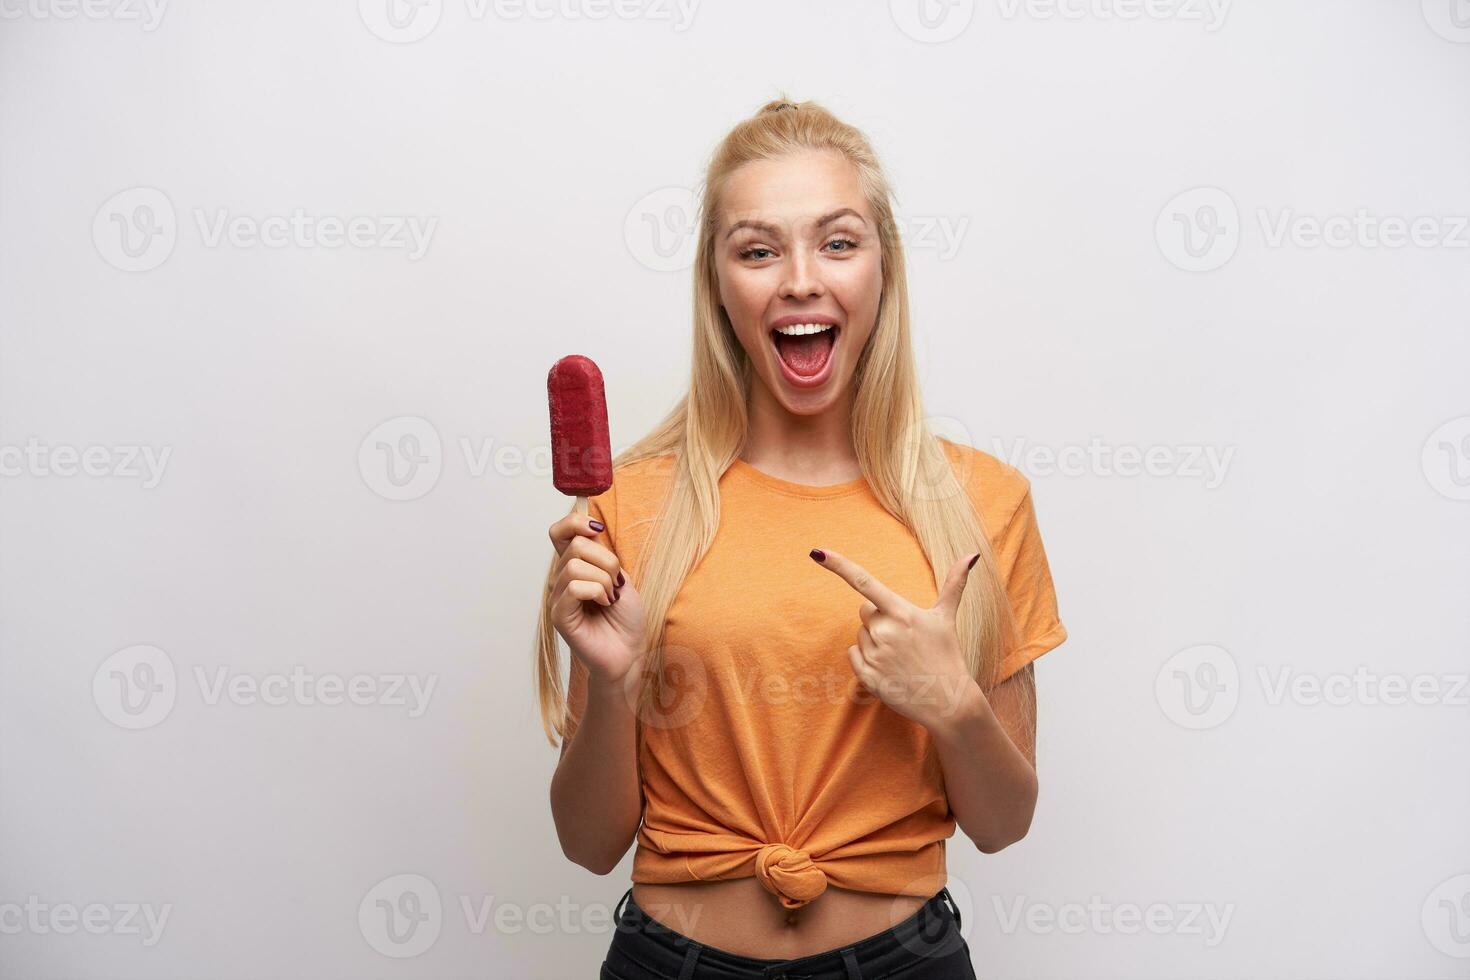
(908,656)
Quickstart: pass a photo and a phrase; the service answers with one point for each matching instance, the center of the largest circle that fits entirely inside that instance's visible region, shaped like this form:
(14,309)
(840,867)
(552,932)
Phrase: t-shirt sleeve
(1022,563)
(602,508)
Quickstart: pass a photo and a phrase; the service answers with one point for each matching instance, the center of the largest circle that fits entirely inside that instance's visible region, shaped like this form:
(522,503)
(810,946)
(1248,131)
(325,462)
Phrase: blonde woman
(801,624)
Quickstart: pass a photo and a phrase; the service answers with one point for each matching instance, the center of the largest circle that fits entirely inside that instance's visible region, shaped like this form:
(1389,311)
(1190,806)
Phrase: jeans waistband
(932,931)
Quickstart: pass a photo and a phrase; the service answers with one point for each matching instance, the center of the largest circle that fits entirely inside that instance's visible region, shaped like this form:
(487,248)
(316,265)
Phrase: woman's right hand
(606,634)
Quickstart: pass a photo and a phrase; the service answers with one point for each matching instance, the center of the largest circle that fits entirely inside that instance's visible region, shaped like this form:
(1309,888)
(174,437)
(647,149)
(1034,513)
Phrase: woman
(801,625)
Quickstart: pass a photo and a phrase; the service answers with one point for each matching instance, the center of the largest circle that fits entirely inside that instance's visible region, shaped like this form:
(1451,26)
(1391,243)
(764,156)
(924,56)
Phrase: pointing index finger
(860,579)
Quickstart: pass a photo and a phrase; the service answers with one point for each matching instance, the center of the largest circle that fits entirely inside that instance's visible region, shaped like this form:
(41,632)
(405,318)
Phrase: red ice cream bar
(581,456)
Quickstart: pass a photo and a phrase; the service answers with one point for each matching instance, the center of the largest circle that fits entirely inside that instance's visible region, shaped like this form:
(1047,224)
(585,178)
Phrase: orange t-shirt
(770,759)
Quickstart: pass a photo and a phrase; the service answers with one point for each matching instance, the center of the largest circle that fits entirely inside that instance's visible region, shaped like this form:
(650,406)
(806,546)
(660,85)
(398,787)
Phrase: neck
(814,449)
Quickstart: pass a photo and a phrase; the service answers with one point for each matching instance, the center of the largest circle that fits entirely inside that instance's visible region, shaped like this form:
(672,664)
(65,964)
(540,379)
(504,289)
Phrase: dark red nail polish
(616,594)
(621,580)
(973,561)
(597,525)
(819,554)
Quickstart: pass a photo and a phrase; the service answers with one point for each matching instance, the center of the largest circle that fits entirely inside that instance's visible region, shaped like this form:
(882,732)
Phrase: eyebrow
(772,230)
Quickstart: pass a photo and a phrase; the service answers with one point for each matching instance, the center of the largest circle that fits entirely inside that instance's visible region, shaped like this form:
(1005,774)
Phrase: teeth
(797,329)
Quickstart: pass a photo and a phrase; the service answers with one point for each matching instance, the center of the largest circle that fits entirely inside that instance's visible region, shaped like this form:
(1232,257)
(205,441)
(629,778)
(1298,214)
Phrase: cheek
(858,283)
(741,291)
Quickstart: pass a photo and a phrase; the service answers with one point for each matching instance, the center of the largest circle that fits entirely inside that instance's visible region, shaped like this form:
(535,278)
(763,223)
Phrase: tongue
(806,354)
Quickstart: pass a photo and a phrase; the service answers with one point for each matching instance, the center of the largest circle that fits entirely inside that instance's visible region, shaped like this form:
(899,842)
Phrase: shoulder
(644,478)
(997,488)
(637,489)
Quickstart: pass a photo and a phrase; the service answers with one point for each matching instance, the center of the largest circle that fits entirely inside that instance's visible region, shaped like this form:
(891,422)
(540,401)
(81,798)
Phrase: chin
(810,401)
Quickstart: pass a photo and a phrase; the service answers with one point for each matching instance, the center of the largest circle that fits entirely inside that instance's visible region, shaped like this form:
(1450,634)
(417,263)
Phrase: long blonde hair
(900,457)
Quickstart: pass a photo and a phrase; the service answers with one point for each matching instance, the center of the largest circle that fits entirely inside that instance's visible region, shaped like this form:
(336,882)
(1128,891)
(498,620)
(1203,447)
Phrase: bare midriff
(740,916)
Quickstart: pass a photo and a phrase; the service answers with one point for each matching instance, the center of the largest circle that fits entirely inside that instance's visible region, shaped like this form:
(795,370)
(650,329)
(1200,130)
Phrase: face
(796,244)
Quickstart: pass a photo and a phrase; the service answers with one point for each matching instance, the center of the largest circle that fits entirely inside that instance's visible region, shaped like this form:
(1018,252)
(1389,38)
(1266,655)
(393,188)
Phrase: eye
(749,253)
(843,241)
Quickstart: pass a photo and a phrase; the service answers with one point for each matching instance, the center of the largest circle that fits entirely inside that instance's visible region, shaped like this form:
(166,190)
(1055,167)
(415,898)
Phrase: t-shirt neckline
(743,469)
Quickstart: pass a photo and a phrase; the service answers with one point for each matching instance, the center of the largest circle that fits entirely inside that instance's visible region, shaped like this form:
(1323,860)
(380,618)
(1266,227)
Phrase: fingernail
(621,580)
(616,594)
(819,554)
(597,525)
(973,561)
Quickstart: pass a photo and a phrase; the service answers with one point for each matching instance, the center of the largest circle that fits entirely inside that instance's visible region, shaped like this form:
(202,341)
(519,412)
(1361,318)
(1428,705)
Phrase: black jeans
(925,946)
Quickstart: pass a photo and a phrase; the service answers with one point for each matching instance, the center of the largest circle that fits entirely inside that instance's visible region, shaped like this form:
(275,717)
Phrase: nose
(803,277)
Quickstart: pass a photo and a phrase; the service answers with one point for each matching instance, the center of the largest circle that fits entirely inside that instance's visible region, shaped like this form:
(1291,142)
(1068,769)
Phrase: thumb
(954,586)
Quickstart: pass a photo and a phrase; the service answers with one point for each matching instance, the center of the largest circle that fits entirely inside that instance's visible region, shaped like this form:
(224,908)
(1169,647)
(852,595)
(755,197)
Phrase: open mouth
(805,351)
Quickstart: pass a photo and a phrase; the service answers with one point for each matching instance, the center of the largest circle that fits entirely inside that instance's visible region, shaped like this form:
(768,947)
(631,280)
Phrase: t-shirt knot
(789,874)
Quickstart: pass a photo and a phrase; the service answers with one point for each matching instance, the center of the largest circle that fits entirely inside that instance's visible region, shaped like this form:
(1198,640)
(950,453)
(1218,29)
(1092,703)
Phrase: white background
(284,382)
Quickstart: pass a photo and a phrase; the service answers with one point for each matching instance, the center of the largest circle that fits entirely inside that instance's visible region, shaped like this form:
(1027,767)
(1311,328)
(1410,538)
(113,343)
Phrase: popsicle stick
(581,505)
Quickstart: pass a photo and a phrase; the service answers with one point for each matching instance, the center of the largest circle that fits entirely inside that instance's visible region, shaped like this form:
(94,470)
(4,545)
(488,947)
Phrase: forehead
(792,190)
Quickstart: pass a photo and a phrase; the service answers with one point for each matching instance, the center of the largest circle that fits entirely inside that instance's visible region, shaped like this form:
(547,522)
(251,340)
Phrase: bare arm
(596,799)
(984,744)
(596,796)
(987,750)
